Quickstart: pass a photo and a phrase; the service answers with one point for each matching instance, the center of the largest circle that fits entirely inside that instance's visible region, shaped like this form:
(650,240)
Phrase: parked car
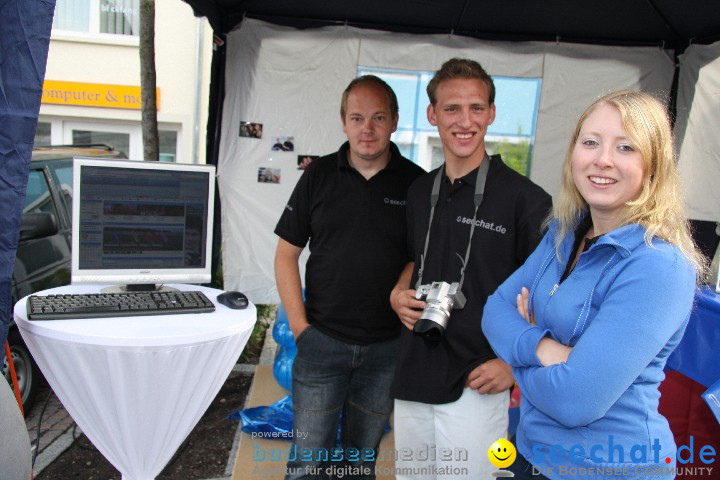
(43,253)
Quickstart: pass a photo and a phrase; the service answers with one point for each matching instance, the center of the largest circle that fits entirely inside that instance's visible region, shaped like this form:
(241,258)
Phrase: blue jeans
(330,378)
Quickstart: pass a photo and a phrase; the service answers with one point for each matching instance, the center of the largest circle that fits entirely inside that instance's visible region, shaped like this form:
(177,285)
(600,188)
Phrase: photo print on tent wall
(303,161)
(268,175)
(283,144)
(251,129)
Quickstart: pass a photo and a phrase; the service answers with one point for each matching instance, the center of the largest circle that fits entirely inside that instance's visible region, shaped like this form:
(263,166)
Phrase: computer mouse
(234,300)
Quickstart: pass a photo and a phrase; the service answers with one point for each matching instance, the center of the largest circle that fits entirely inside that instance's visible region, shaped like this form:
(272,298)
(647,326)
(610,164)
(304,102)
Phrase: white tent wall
(291,81)
(697,128)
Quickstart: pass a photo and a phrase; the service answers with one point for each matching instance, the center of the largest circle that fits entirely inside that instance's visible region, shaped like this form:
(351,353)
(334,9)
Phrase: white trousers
(450,440)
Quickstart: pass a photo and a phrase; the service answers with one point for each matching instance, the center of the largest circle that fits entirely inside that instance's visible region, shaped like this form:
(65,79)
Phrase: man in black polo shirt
(452,392)
(351,207)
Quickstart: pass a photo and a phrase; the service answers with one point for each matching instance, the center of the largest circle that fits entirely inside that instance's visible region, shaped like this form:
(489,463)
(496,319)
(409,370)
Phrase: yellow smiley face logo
(502,453)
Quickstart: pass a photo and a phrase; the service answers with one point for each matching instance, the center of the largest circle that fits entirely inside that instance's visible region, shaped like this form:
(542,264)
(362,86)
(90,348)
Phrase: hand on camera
(407,307)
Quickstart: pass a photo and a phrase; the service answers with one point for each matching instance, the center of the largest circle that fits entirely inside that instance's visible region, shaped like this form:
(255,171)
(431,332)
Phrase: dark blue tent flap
(696,354)
(24,40)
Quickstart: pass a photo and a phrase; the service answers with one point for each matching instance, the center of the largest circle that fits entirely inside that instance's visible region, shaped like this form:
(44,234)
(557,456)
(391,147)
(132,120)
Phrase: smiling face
(502,453)
(607,169)
(462,114)
(368,123)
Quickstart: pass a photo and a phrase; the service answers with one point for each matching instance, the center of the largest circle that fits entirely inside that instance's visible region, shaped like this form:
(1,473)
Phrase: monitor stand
(138,287)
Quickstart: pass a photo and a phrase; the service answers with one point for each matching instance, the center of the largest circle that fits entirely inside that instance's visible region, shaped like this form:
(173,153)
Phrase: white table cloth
(137,386)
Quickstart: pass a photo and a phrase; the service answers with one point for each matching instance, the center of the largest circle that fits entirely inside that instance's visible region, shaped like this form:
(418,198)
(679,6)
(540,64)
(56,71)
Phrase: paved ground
(58,430)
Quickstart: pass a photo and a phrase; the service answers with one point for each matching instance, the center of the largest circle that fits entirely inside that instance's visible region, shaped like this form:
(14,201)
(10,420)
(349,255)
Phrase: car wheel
(27,371)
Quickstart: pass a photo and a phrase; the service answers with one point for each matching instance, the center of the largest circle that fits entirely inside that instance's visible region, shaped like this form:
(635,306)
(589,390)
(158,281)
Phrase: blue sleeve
(639,323)
(511,337)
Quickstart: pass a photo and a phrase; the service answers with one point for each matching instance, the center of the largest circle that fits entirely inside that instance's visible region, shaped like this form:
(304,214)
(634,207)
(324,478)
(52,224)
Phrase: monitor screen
(141,224)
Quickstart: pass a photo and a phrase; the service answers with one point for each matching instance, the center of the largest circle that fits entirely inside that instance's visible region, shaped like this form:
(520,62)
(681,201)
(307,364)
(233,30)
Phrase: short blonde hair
(370,80)
(460,68)
(659,206)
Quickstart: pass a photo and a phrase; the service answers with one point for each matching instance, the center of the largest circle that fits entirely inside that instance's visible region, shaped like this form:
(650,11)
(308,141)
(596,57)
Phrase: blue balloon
(281,315)
(283,336)
(281,332)
(282,368)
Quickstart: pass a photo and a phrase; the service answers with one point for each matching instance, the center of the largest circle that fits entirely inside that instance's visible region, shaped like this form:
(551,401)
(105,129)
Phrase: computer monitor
(137,225)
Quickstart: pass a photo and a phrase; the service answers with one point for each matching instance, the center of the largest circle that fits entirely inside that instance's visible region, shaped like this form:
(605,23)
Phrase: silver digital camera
(440,299)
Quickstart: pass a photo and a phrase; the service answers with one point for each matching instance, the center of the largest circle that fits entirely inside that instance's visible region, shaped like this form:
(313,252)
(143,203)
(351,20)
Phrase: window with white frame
(512,134)
(119,17)
(124,137)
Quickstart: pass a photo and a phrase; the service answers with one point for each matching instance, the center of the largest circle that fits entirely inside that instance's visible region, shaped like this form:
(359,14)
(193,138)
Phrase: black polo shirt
(508,228)
(358,247)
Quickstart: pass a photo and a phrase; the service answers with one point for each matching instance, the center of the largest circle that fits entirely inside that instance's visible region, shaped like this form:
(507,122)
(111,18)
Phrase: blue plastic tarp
(712,398)
(275,418)
(696,356)
(24,40)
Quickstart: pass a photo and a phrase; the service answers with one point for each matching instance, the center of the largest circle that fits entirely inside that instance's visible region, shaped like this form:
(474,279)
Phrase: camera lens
(428,329)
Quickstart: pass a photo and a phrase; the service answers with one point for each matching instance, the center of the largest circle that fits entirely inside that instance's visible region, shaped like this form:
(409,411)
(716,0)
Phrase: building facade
(91,92)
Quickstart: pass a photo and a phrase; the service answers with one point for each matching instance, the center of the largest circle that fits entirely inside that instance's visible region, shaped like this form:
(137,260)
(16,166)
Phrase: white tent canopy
(291,81)
(698,130)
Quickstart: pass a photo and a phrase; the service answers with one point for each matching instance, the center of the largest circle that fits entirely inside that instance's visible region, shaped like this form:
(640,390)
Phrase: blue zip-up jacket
(623,309)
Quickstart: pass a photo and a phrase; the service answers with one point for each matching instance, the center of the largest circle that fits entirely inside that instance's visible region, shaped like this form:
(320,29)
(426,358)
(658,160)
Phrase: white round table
(137,386)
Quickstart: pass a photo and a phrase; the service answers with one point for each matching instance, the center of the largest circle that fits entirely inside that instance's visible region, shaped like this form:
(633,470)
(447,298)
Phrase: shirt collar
(471,177)
(624,239)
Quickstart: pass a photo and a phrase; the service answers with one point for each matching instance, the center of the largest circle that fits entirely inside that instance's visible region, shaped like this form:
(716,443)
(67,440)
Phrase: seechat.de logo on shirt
(483,224)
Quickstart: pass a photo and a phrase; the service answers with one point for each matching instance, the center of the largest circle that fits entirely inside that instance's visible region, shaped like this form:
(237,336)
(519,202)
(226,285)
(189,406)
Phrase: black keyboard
(124,304)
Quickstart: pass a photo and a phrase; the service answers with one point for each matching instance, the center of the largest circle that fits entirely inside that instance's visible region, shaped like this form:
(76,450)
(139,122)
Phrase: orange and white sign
(93,94)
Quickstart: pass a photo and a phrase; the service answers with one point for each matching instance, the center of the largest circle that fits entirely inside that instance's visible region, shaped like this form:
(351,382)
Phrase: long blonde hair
(659,206)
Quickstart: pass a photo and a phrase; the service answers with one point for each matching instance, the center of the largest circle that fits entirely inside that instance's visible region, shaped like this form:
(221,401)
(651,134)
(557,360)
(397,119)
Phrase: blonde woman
(589,320)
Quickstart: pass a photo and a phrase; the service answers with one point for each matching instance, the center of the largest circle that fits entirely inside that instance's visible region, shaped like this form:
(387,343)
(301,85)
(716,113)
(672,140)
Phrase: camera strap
(477,200)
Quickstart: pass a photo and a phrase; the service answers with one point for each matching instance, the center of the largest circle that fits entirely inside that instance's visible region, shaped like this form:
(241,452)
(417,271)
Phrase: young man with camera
(350,206)
(471,223)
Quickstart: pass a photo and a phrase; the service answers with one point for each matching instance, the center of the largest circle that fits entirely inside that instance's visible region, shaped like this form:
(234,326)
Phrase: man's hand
(493,376)
(407,307)
(297,328)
